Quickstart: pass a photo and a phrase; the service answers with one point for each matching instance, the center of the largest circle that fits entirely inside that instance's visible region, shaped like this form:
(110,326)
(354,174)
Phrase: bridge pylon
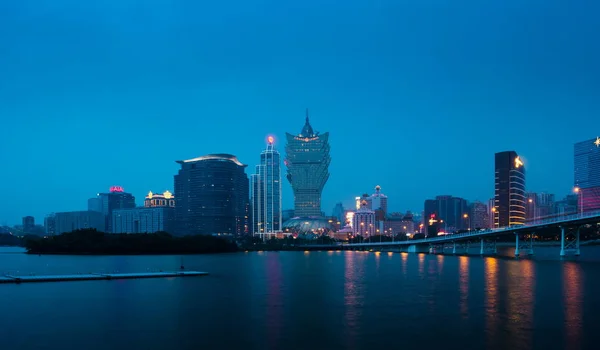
(460,246)
(569,242)
(524,246)
(487,247)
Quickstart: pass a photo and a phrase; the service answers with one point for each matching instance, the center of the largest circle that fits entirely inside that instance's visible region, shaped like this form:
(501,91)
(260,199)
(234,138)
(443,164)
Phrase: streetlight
(466,216)
(494,217)
(532,203)
(580,195)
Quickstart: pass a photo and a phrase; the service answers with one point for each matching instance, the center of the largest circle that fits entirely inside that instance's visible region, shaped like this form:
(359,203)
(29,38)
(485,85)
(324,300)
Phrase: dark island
(92,242)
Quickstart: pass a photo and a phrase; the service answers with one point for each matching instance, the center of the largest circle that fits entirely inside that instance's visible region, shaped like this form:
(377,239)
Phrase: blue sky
(417,95)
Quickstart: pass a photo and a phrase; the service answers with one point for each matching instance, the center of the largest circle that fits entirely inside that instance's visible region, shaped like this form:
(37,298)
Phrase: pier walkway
(96,276)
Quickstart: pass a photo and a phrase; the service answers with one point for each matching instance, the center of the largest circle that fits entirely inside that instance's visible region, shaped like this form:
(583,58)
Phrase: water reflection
(404,263)
(421,264)
(519,299)
(353,295)
(274,299)
(440,263)
(491,301)
(463,281)
(573,294)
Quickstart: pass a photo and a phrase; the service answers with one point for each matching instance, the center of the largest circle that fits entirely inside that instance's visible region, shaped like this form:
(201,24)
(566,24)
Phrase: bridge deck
(590,217)
(96,276)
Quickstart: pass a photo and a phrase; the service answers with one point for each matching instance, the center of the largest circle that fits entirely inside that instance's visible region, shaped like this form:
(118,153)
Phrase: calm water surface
(316,300)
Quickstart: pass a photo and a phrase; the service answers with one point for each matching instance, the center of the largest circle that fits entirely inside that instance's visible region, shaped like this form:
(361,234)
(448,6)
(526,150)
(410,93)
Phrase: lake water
(301,300)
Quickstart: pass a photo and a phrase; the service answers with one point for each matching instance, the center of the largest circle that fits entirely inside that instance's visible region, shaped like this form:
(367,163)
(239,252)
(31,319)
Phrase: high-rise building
(478,216)
(265,189)
(95,204)
(307,161)
(78,220)
(338,213)
(157,215)
(509,200)
(378,201)
(491,212)
(50,224)
(363,221)
(448,210)
(105,203)
(144,220)
(587,174)
(28,224)
(212,196)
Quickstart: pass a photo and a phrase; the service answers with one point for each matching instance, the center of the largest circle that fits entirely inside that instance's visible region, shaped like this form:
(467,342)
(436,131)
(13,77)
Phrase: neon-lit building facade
(110,201)
(165,199)
(265,192)
(363,221)
(510,197)
(212,196)
(587,174)
(307,161)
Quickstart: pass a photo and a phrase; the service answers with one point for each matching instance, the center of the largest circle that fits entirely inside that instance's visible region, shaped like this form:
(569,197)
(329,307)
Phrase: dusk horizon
(416,98)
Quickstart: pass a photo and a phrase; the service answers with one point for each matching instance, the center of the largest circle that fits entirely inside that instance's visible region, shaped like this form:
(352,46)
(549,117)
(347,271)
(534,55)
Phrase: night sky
(417,95)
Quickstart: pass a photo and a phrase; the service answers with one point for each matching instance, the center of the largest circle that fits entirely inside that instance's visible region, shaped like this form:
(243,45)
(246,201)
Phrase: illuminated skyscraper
(510,196)
(265,194)
(307,161)
(587,174)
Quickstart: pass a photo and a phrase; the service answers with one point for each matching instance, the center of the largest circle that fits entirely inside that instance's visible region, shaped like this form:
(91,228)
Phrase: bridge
(569,237)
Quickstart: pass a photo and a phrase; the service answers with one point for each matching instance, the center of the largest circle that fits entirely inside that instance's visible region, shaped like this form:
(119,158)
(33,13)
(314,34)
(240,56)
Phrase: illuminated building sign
(518,162)
(597,142)
(116,189)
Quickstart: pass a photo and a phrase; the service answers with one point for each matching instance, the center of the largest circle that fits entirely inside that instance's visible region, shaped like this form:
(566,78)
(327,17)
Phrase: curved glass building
(509,200)
(212,196)
(307,161)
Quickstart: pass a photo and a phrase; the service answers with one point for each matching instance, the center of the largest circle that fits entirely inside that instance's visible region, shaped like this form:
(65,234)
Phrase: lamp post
(580,199)
(466,216)
(532,203)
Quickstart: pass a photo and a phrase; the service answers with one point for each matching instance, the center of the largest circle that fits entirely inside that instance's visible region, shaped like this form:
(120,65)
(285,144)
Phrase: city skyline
(121,104)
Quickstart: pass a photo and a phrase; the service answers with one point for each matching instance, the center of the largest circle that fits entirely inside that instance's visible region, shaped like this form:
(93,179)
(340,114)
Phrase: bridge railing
(453,236)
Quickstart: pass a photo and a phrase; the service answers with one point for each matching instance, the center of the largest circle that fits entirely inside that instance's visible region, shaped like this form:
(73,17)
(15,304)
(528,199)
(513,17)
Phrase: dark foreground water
(316,300)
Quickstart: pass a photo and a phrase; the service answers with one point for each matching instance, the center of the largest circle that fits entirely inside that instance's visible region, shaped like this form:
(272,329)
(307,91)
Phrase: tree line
(90,241)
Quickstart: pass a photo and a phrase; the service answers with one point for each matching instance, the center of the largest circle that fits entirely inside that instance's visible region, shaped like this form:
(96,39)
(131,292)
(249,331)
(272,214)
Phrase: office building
(509,199)
(212,196)
(307,161)
(95,204)
(449,210)
(478,216)
(338,213)
(50,225)
(28,224)
(144,220)
(378,201)
(106,203)
(79,220)
(363,221)
(399,223)
(265,188)
(587,174)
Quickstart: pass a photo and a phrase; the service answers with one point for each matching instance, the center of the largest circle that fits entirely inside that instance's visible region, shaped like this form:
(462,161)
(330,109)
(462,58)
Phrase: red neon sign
(116,189)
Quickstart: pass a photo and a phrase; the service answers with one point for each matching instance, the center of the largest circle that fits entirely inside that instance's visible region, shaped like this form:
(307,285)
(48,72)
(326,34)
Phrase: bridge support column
(577,251)
(481,249)
(454,248)
(562,241)
(517,245)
